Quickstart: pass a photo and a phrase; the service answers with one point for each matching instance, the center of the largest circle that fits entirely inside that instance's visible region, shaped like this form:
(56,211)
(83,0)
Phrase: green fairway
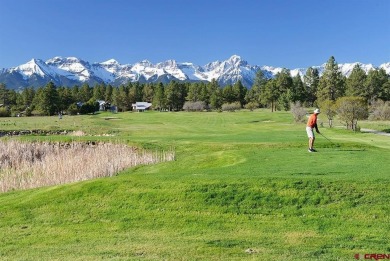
(242,187)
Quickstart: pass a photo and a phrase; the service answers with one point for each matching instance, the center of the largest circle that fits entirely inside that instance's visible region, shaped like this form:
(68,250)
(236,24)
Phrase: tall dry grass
(30,165)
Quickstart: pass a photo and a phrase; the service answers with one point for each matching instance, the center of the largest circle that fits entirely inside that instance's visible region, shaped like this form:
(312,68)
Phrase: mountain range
(70,71)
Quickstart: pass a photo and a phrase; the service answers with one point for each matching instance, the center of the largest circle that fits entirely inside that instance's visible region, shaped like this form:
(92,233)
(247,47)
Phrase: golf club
(329,140)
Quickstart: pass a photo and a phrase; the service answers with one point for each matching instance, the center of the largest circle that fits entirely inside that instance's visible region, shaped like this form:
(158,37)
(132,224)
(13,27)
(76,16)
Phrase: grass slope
(241,181)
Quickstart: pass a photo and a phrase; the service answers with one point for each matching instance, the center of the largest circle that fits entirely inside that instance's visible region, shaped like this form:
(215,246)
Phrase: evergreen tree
(194,92)
(211,89)
(76,93)
(374,85)
(270,94)
(85,92)
(311,80)
(298,90)
(239,92)
(175,94)
(216,99)
(132,93)
(283,80)
(159,99)
(331,85)
(385,92)
(65,97)
(355,82)
(4,95)
(28,96)
(255,93)
(228,94)
(148,93)
(171,94)
(121,98)
(49,102)
(108,93)
(98,92)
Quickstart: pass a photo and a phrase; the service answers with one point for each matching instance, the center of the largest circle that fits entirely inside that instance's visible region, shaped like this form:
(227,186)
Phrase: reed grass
(26,165)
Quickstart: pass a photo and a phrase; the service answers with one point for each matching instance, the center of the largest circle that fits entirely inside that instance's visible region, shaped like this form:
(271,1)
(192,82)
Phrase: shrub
(194,106)
(251,106)
(4,112)
(231,106)
(352,109)
(298,112)
(73,109)
(380,110)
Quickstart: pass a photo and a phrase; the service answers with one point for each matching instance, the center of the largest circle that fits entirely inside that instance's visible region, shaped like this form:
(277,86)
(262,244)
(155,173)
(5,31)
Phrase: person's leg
(310,143)
(310,135)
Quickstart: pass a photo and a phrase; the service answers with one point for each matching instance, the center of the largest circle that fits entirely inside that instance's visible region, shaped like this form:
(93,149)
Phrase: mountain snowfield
(68,71)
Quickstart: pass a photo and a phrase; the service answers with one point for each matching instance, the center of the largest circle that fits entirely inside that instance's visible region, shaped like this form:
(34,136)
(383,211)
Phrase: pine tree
(49,102)
(228,94)
(4,95)
(148,93)
(239,92)
(194,92)
(298,90)
(311,80)
(85,92)
(256,92)
(374,85)
(355,82)
(270,94)
(65,97)
(159,99)
(28,96)
(331,85)
(216,99)
(108,93)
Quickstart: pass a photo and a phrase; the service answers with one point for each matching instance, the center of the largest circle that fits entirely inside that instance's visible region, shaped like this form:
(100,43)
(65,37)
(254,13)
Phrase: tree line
(277,93)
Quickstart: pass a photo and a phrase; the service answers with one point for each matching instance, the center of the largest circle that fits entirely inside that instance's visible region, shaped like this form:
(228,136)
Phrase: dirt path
(375,132)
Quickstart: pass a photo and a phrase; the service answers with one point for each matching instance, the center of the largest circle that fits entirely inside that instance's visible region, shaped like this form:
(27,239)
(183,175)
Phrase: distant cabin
(141,106)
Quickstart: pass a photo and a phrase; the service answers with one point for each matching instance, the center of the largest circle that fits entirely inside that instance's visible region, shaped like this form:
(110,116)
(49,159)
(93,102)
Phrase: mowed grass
(242,187)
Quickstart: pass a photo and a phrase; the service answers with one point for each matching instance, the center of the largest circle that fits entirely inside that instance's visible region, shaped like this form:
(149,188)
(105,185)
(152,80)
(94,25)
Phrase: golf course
(242,186)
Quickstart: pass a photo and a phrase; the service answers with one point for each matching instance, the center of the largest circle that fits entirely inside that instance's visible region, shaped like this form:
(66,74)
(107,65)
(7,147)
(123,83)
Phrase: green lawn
(241,180)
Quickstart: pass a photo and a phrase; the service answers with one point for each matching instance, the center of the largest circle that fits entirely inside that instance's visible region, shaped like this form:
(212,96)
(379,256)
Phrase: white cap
(317,111)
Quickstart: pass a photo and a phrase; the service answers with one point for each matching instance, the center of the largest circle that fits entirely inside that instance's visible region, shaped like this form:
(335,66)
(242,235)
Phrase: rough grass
(31,165)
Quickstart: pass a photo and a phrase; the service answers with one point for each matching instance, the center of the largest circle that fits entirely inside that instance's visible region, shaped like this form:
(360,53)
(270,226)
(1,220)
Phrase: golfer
(311,124)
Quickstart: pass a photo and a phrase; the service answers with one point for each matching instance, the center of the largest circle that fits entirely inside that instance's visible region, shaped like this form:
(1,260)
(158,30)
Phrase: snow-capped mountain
(70,71)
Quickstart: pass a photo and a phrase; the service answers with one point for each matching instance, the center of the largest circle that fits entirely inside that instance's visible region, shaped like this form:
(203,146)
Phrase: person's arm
(315,126)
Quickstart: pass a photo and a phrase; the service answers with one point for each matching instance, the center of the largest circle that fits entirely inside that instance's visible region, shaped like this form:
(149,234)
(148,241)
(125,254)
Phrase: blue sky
(290,33)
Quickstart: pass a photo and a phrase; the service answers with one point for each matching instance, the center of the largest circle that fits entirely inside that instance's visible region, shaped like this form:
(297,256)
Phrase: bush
(73,109)
(4,112)
(231,106)
(251,106)
(28,112)
(380,111)
(298,112)
(352,109)
(194,106)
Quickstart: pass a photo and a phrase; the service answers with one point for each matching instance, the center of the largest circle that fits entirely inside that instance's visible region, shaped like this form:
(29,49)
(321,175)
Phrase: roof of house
(141,105)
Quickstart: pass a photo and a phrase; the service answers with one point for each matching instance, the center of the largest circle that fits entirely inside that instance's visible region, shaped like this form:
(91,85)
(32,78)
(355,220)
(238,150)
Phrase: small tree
(328,108)
(352,109)
(298,112)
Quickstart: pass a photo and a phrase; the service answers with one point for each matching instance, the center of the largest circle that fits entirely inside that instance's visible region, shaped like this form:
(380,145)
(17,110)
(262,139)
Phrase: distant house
(141,106)
(103,105)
